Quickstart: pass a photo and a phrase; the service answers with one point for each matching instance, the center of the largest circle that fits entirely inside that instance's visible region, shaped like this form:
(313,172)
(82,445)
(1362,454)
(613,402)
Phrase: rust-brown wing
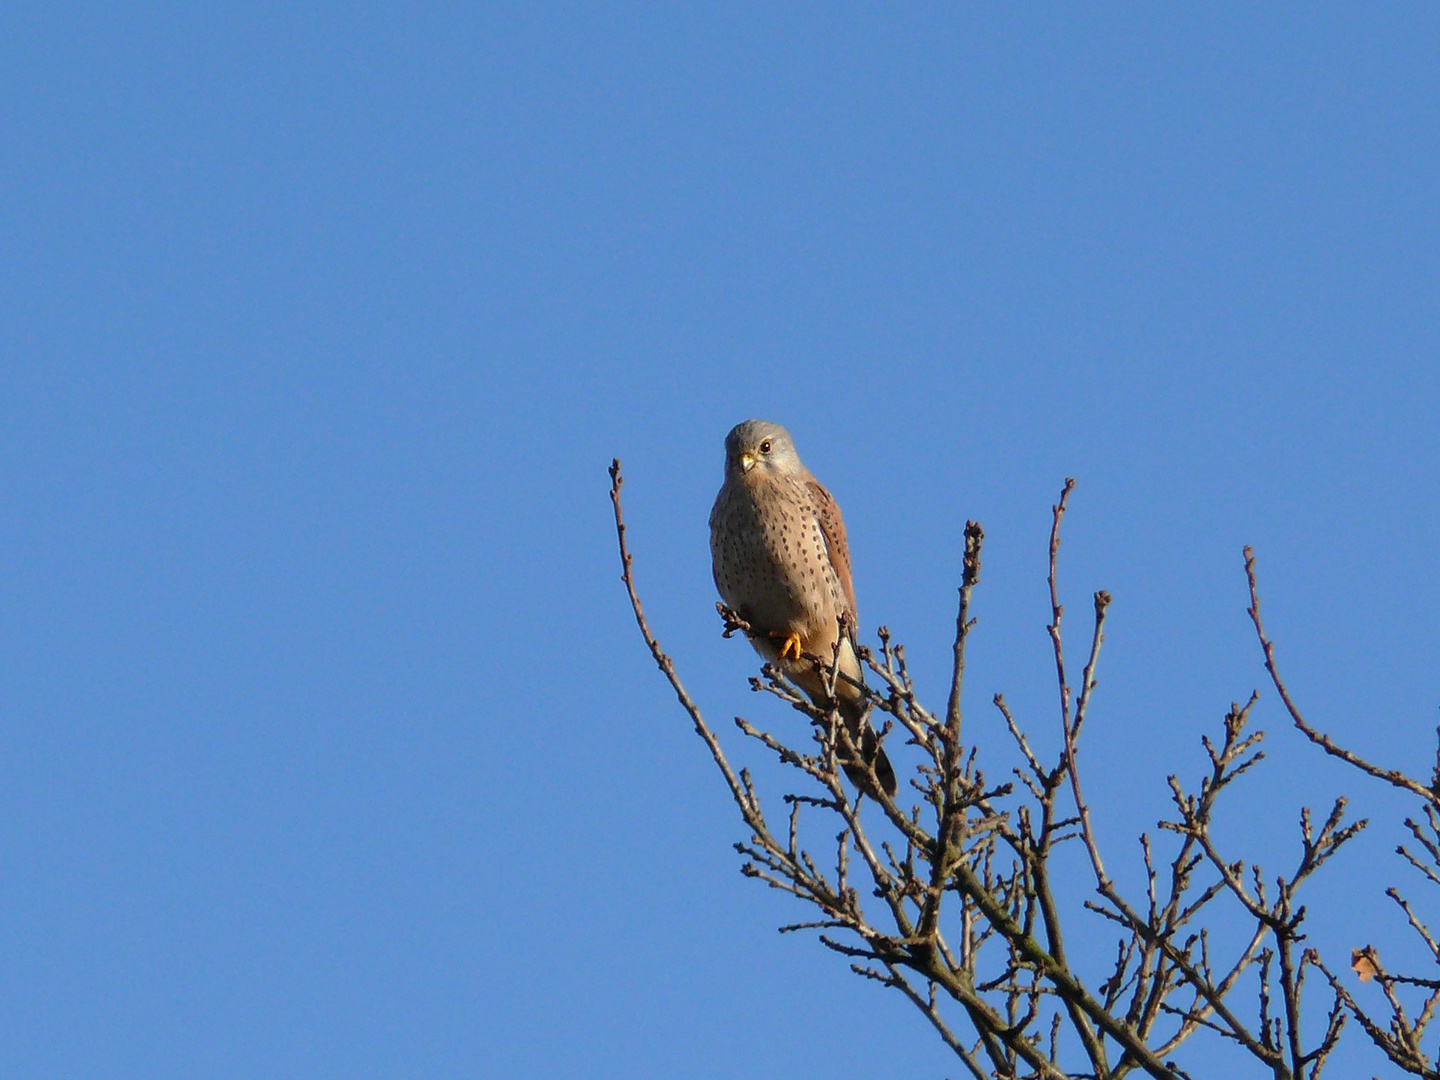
(827,510)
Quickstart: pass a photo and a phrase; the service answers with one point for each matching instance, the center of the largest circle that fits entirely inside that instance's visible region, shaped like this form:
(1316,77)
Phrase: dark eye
(765,447)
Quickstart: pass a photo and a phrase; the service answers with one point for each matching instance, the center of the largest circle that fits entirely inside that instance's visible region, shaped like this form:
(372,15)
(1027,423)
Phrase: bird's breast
(770,559)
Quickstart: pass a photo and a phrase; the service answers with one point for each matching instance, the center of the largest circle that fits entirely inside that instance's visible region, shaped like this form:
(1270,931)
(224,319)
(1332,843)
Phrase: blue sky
(328,747)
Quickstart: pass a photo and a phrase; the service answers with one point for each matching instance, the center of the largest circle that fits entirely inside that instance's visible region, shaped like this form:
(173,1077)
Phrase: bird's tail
(874,755)
(855,711)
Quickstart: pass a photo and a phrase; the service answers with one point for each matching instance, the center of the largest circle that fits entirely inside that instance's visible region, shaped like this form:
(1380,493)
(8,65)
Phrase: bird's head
(760,448)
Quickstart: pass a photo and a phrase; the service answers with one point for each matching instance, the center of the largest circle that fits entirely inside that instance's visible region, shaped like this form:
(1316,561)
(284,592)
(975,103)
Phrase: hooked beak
(747,462)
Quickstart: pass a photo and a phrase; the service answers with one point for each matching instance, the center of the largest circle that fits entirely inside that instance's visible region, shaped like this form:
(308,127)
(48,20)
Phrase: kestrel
(778,551)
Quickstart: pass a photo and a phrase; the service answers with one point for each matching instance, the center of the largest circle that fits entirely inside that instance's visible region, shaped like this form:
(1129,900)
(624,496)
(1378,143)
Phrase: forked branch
(944,893)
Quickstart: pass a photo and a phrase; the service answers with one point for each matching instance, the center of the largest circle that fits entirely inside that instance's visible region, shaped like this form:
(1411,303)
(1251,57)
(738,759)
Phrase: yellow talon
(790,644)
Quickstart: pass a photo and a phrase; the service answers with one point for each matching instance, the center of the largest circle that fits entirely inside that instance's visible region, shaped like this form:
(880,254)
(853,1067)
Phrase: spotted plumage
(780,559)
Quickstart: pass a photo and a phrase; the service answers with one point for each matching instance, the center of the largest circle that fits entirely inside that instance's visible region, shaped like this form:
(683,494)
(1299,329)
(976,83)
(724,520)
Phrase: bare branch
(1394,777)
(967,861)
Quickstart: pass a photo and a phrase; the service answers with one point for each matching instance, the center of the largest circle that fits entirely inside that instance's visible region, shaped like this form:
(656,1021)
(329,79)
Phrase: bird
(781,562)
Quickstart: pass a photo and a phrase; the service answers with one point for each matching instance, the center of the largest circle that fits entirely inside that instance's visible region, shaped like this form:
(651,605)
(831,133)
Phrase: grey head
(759,444)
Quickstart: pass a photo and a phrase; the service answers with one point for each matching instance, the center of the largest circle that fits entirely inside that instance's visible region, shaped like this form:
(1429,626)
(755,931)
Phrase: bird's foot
(790,645)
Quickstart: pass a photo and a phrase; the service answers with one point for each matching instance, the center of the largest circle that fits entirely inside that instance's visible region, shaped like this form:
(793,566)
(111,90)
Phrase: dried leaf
(1365,963)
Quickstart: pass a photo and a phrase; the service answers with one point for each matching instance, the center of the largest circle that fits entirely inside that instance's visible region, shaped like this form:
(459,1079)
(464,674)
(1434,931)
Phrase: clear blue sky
(328,748)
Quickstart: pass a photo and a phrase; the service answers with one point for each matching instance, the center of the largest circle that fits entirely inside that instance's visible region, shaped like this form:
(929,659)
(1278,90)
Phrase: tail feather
(855,710)
(873,754)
